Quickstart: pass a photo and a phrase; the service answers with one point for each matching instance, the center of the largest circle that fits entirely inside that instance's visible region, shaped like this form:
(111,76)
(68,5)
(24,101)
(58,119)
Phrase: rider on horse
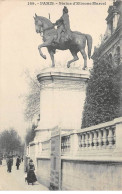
(74,41)
(63,25)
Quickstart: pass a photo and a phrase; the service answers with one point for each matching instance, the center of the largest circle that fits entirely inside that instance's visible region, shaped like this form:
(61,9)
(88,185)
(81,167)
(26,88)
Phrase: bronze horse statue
(45,27)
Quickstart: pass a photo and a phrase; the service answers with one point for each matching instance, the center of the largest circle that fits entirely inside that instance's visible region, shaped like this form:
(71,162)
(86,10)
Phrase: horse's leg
(74,54)
(51,52)
(84,57)
(39,48)
(45,44)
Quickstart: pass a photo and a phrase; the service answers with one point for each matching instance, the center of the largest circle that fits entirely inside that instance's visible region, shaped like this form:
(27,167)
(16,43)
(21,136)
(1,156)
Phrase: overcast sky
(18,49)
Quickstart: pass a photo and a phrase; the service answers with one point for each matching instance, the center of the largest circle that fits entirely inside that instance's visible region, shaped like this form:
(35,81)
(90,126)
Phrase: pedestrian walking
(10,163)
(18,161)
(31,177)
(1,158)
(7,160)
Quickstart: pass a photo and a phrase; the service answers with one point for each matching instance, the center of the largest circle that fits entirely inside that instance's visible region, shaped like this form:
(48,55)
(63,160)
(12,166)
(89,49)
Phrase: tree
(30,135)
(32,99)
(10,141)
(32,108)
(104,94)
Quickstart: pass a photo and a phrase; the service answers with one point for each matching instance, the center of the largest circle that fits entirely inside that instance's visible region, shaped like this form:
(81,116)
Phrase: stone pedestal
(62,98)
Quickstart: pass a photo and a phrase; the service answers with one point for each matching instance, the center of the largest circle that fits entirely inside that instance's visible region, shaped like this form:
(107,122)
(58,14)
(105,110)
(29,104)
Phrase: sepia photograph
(61,95)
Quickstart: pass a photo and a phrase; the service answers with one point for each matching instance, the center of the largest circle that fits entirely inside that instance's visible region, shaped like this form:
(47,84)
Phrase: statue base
(62,98)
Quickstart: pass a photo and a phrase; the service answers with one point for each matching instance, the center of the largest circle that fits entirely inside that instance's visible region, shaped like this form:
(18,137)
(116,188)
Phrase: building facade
(111,44)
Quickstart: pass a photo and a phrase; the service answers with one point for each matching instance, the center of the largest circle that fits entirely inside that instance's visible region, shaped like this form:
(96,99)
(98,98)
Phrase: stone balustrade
(100,140)
(103,139)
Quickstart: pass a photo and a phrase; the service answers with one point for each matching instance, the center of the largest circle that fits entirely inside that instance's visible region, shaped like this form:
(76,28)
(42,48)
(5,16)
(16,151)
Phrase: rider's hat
(65,9)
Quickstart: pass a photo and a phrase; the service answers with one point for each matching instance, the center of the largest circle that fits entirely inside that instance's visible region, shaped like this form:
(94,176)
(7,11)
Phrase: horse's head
(42,23)
(38,24)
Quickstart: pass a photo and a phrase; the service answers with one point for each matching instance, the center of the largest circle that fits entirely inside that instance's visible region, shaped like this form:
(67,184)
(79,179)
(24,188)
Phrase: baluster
(87,140)
(95,140)
(110,137)
(83,141)
(69,143)
(79,142)
(100,138)
(90,140)
(62,146)
(49,147)
(114,135)
(104,138)
(66,144)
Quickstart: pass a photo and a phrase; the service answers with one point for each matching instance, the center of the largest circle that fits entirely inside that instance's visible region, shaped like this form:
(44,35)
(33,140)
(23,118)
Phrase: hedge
(104,94)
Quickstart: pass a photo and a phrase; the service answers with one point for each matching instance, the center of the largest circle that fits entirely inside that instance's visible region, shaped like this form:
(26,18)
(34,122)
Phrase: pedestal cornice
(63,74)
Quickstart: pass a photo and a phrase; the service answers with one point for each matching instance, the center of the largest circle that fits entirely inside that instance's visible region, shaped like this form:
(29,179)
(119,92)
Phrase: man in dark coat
(10,163)
(18,161)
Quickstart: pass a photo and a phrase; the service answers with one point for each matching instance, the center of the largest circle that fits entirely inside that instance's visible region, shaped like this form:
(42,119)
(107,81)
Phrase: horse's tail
(89,44)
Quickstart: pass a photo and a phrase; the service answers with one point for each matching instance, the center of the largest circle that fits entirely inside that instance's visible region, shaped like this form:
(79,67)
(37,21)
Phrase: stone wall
(43,171)
(91,158)
(84,175)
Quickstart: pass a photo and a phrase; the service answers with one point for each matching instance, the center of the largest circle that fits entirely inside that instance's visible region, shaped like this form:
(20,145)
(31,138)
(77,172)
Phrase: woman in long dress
(31,177)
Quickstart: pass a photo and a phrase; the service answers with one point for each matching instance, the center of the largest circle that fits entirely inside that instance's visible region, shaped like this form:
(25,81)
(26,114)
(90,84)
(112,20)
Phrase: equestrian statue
(62,38)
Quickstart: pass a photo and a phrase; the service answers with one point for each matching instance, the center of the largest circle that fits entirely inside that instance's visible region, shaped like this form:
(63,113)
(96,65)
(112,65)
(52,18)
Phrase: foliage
(104,94)
(30,135)
(32,99)
(32,108)
(10,141)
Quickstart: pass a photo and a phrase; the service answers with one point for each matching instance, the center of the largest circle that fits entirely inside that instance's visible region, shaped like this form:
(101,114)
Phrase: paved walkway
(15,181)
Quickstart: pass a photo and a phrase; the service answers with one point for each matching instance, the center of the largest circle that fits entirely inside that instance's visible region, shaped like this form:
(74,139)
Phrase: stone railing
(100,140)
(103,139)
